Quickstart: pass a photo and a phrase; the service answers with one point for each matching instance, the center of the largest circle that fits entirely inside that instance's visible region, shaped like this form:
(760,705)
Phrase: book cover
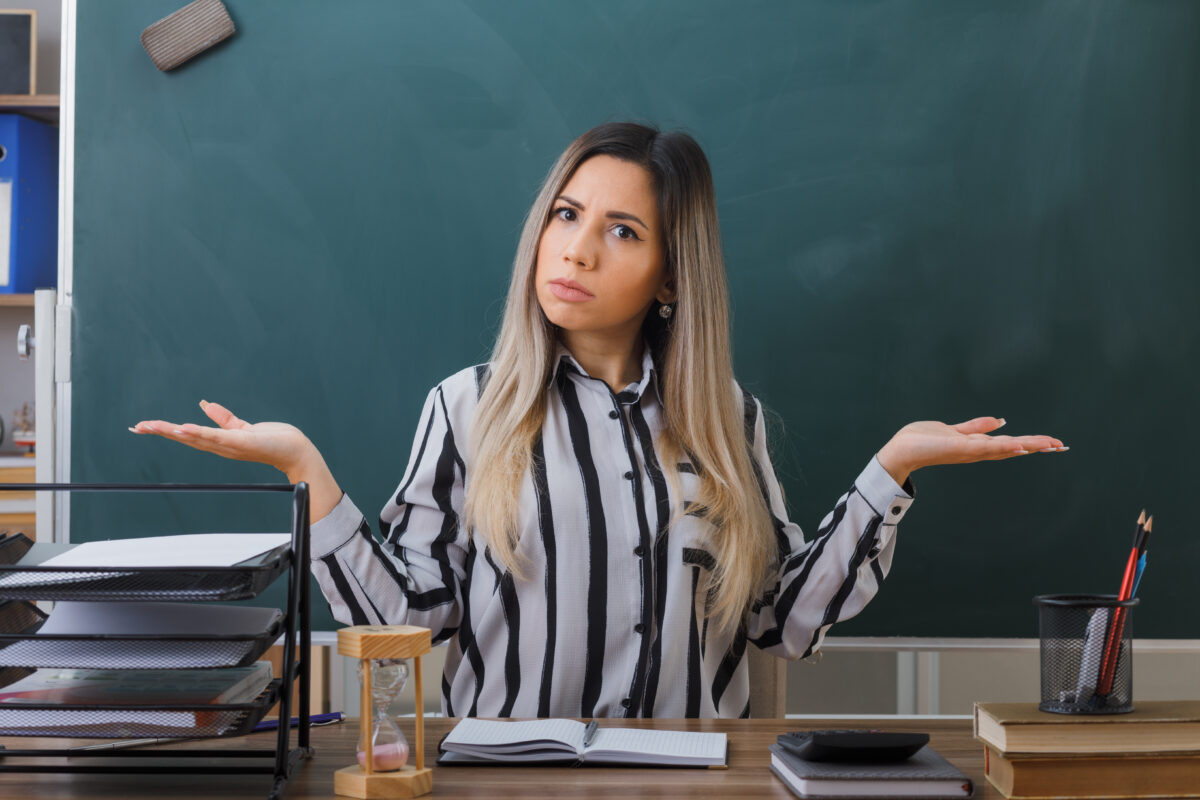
(926,774)
(1153,726)
(1091,776)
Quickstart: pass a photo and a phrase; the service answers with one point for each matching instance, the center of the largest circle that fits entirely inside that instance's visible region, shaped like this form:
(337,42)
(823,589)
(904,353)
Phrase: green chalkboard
(930,210)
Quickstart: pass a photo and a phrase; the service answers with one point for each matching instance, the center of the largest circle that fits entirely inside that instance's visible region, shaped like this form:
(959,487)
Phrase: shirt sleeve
(413,574)
(833,576)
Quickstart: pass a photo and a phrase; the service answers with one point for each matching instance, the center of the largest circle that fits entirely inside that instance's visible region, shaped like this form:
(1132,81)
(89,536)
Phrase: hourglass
(383,770)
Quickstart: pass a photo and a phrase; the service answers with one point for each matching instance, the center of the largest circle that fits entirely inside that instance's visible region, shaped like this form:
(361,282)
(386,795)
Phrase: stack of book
(924,774)
(1154,751)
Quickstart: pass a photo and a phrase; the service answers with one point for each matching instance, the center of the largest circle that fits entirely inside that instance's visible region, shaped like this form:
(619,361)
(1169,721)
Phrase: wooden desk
(747,776)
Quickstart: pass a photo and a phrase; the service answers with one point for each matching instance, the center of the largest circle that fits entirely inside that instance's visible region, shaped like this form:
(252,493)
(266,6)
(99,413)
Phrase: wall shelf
(17,300)
(38,106)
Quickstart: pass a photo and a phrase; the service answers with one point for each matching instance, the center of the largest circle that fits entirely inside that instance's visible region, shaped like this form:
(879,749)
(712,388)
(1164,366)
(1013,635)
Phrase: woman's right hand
(276,444)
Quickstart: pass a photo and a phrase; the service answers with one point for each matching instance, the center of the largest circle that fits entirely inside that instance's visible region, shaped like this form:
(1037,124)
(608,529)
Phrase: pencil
(1112,650)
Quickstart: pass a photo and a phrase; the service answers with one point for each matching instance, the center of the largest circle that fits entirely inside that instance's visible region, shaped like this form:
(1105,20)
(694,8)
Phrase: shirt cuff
(889,499)
(335,528)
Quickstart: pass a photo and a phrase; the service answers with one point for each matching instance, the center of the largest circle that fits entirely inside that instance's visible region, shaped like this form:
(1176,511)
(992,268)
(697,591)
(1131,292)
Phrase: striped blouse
(608,618)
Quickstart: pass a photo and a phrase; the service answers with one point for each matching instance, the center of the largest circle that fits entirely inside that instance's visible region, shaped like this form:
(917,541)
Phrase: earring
(665,311)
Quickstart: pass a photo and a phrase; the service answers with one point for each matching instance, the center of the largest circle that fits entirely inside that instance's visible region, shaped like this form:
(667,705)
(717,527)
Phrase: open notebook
(476,741)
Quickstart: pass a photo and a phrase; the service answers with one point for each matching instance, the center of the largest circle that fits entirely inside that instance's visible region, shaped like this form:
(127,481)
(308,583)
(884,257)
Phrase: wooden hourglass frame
(367,642)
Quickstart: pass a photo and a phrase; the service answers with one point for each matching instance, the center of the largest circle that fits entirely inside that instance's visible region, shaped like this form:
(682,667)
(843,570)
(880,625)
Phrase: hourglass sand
(382,770)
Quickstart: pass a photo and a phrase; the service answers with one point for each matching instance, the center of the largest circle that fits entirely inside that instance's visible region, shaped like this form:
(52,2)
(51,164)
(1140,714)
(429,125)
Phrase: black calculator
(853,746)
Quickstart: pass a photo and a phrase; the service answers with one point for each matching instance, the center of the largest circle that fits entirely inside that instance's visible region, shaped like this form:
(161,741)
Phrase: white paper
(177,619)
(199,550)
(186,550)
(6,221)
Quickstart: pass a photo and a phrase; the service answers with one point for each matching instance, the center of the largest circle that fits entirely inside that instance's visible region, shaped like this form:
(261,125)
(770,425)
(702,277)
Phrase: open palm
(927,443)
(275,443)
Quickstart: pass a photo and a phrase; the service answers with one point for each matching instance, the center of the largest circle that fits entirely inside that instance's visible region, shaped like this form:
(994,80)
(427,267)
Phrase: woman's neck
(616,362)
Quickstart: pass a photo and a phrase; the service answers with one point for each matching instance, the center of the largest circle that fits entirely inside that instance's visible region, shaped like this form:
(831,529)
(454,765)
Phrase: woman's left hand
(925,444)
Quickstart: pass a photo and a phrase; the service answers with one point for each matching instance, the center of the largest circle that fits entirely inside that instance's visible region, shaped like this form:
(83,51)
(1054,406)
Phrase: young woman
(591,519)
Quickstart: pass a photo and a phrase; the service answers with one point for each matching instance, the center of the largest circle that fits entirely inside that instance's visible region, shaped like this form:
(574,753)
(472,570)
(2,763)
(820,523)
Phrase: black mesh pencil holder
(1087,653)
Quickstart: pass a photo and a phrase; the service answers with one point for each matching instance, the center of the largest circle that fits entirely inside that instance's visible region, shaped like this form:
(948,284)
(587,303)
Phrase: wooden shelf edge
(18,101)
(18,300)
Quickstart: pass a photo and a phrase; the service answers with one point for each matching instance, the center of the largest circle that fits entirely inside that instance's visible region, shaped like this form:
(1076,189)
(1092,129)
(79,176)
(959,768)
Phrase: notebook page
(658,747)
(494,738)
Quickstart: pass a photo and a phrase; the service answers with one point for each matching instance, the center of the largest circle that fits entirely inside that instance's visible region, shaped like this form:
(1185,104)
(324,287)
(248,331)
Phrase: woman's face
(601,258)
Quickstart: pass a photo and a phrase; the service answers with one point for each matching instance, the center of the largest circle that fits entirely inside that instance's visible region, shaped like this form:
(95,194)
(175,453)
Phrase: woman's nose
(580,250)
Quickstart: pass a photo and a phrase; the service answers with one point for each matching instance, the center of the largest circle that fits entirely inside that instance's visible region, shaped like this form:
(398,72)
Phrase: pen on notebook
(589,733)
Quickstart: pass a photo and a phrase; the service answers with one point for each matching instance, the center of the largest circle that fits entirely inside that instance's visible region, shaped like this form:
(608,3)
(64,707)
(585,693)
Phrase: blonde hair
(702,405)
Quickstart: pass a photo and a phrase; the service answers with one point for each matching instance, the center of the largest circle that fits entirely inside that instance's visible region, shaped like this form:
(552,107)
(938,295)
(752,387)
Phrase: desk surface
(747,776)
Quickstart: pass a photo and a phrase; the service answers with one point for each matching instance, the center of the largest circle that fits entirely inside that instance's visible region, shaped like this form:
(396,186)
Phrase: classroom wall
(872,682)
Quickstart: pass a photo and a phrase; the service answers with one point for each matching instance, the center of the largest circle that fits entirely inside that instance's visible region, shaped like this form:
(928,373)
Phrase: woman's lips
(570,291)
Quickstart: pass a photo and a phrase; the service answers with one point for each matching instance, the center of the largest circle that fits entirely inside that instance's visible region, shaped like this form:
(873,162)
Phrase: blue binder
(28,204)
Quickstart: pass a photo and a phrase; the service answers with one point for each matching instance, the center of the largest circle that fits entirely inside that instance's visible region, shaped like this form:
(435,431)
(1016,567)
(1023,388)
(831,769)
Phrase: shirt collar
(631,393)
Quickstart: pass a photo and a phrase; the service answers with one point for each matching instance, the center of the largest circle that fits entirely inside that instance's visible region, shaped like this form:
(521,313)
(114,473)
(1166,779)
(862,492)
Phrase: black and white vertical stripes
(608,617)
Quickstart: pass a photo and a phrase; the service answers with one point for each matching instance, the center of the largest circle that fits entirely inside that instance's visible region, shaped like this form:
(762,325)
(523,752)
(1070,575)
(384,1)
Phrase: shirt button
(639,628)
(639,551)
(613,414)
(625,703)
(629,475)
(896,509)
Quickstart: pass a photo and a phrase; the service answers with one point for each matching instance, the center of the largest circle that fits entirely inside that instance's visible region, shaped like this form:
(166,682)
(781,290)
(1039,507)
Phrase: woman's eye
(625,232)
(566,213)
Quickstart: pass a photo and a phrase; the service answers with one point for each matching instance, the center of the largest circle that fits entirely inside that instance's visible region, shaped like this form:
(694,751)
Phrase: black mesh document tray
(28,580)
(24,578)
(22,645)
(159,721)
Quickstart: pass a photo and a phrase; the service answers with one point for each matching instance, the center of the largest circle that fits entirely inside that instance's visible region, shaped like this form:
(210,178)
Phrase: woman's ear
(666,293)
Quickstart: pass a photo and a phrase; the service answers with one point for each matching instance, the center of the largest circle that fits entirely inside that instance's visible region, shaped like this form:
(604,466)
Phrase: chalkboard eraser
(187,33)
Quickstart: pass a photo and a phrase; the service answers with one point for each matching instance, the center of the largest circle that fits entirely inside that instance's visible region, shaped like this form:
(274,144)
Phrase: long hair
(702,406)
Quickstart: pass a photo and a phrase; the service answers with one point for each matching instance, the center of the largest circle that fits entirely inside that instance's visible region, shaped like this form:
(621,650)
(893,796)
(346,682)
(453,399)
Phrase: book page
(636,746)
(495,739)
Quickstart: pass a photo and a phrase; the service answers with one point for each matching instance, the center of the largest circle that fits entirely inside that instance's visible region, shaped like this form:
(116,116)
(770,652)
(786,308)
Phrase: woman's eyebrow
(611,214)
